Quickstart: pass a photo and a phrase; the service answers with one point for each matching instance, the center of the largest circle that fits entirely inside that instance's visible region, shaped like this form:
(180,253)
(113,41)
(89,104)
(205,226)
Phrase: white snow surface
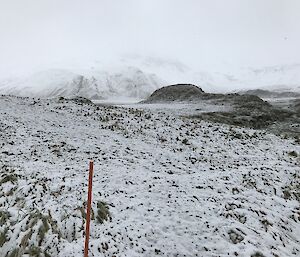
(174,186)
(92,84)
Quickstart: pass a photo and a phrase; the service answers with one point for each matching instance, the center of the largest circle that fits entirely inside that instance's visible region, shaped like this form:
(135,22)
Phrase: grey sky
(204,34)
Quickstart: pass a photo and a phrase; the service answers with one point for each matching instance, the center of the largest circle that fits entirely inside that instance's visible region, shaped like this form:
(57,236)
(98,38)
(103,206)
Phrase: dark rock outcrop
(178,92)
(245,110)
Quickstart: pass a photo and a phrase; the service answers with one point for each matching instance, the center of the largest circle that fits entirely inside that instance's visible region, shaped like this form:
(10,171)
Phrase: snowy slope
(127,82)
(138,77)
(274,78)
(173,186)
(279,78)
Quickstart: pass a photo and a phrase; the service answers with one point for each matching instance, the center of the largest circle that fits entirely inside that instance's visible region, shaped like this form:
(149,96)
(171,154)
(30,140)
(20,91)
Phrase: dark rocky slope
(269,94)
(178,92)
(246,110)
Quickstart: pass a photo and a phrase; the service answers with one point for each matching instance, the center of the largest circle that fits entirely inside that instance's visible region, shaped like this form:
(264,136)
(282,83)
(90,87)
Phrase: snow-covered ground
(281,102)
(173,186)
(179,108)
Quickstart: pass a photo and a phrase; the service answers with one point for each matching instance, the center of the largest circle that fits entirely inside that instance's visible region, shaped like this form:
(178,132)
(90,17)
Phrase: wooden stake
(88,211)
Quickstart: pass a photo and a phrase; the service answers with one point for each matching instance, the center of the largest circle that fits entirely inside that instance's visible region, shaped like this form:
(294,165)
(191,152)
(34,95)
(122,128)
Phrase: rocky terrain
(270,94)
(164,185)
(242,110)
(179,92)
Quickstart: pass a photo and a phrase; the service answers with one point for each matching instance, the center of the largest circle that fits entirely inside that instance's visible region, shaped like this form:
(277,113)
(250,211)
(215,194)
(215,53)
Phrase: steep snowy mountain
(138,77)
(127,82)
(281,78)
(274,78)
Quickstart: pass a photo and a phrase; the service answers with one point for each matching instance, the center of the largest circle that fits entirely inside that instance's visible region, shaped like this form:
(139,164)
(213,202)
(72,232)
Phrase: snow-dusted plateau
(164,184)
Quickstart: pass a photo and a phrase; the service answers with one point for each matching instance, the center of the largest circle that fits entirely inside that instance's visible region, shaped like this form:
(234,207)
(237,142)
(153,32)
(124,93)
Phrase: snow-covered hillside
(138,77)
(126,82)
(274,78)
(163,185)
(279,78)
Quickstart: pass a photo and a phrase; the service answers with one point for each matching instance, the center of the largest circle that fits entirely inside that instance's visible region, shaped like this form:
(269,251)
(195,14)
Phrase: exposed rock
(249,111)
(82,100)
(246,110)
(178,92)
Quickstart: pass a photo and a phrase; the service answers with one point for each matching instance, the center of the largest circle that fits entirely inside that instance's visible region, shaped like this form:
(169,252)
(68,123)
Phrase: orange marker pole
(88,211)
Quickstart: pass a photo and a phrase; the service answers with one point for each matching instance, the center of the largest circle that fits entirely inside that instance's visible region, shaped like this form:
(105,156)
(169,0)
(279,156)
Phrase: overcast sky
(204,34)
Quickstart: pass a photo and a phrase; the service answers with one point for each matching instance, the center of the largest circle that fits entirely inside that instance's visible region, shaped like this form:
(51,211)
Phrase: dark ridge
(177,92)
(82,100)
(269,94)
(246,110)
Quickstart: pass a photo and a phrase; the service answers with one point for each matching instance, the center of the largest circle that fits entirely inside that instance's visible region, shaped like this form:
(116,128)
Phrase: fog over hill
(137,77)
(100,84)
(216,45)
